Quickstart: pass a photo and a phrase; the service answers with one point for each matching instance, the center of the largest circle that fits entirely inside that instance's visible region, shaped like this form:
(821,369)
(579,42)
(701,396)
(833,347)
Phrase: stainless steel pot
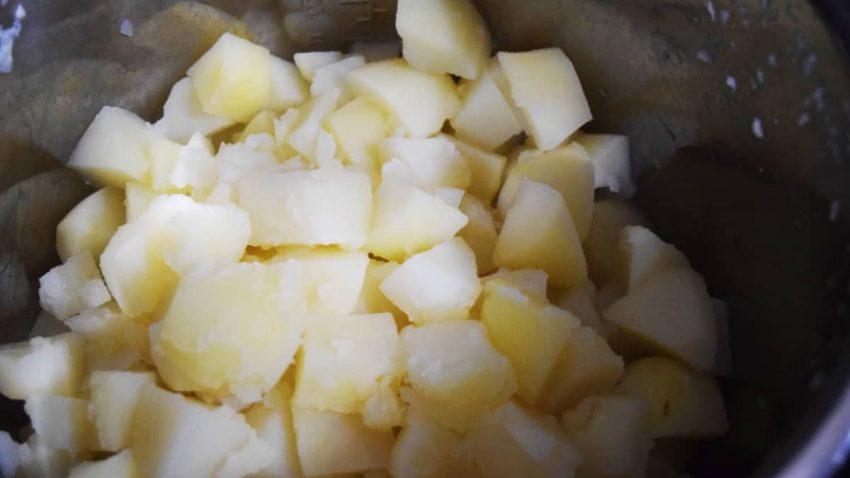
(738,114)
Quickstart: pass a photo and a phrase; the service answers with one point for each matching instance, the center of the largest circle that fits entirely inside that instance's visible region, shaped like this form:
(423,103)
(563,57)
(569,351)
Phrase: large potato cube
(424,449)
(436,285)
(72,287)
(407,220)
(419,102)
(320,207)
(486,118)
(609,154)
(272,421)
(113,399)
(643,254)
(61,423)
(331,279)
(480,232)
(546,90)
(120,465)
(232,79)
(43,366)
(485,170)
(342,359)
(428,164)
(183,115)
(357,128)
(455,372)
(331,443)
(288,88)
(90,225)
(539,233)
(671,314)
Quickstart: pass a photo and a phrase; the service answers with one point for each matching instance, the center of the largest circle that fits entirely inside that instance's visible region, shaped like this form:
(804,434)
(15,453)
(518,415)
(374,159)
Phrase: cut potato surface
(41,366)
(90,225)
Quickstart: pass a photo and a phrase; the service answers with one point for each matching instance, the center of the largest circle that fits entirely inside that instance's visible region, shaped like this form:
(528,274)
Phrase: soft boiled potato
(41,366)
(201,347)
(580,300)
(232,79)
(72,287)
(333,75)
(120,465)
(443,36)
(112,340)
(272,421)
(670,313)
(309,62)
(547,92)
(610,156)
(436,285)
(539,233)
(485,170)
(644,254)
(61,423)
(331,279)
(310,208)
(288,88)
(90,225)
(682,402)
(419,102)
(372,300)
(114,396)
(428,164)
(486,118)
(426,449)
(183,115)
(357,127)
(480,232)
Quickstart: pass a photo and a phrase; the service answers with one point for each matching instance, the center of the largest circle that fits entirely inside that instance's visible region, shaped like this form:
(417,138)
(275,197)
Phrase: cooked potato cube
(272,421)
(682,402)
(334,75)
(419,102)
(232,79)
(384,409)
(331,279)
(51,366)
(428,164)
(436,285)
(114,396)
(113,340)
(643,254)
(372,300)
(309,62)
(485,170)
(609,154)
(331,443)
(90,225)
(580,300)
(546,90)
(138,196)
(358,127)
(601,246)
(72,287)
(120,465)
(304,138)
(288,88)
(480,232)
(61,423)
(183,115)
(671,314)
(424,449)
(539,233)
(41,461)
(486,118)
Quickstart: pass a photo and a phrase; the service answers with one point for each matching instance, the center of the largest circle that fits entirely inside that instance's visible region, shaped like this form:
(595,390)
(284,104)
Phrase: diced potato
(428,164)
(164,155)
(138,196)
(177,436)
(480,232)
(288,88)
(183,115)
(90,225)
(529,332)
(61,423)
(239,161)
(195,169)
(113,340)
(304,138)
(546,89)
(272,421)
(320,207)
(114,396)
(436,285)
(486,118)
(450,196)
(443,36)
(357,128)
(454,371)
(609,154)
(201,347)
(233,79)
(246,461)
(568,170)
(485,170)
(671,314)
(539,233)
(643,254)
(72,287)
(601,246)
(682,403)
(42,366)
(419,102)
(331,279)
(531,282)
(424,449)
(511,441)
(407,220)
(372,300)
(309,62)
(120,465)
(611,434)
(333,75)
(384,409)
(586,366)
(41,461)
(114,149)
(331,443)
(261,123)
(580,300)
(341,360)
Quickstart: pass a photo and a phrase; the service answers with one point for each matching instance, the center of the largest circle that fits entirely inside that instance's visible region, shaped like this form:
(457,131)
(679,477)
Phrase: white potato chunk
(137,197)
(580,300)
(113,399)
(41,461)
(425,163)
(357,127)
(436,285)
(601,246)
(372,300)
(42,366)
(272,421)
(485,170)
(425,449)
(333,75)
(120,465)
(320,207)
(113,340)
(72,287)
(610,156)
(443,36)
(90,225)
(486,118)
(531,282)
(288,87)
(331,279)
(309,62)
(183,115)
(643,254)
(480,232)
(305,134)
(61,423)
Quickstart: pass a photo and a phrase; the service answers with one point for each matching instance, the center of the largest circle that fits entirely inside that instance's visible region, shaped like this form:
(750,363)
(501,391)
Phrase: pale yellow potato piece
(372,300)
(272,421)
(580,300)
(42,366)
(113,399)
(331,443)
(424,449)
(331,279)
(428,163)
(288,88)
(671,314)
(418,102)
(232,79)
(310,61)
(480,232)
(643,254)
(138,196)
(183,115)
(531,333)
(539,233)
(306,132)
(334,75)
(531,282)
(486,118)
(72,287)
(342,359)
(443,36)
(357,127)
(485,170)
(601,246)
(120,465)
(611,433)
(90,225)
(436,285)
(113,340)
(384,409)
(682,402)
(567,169)
(407,220)
(61,423)
(41,461)
(609,154)
(548,94)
